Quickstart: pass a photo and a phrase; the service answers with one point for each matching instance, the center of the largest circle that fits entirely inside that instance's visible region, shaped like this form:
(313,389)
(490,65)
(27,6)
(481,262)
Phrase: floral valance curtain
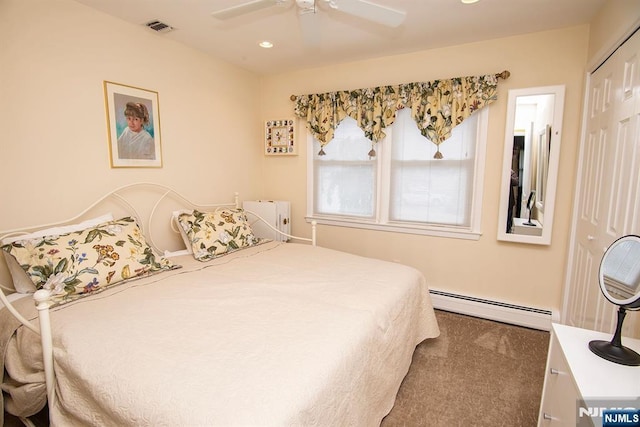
(437,107)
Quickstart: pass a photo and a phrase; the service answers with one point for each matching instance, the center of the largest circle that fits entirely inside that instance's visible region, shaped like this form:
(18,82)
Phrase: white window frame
(381,221)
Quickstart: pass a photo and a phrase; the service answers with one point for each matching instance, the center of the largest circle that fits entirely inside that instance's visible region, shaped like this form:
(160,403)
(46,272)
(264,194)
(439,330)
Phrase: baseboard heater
(529,317)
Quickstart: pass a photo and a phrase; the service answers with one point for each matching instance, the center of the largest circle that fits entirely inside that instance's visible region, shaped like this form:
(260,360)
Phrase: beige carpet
(477,373)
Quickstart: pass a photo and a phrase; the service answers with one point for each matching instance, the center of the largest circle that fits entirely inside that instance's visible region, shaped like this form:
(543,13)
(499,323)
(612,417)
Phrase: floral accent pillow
(216,233)
(21,282)
(87,261)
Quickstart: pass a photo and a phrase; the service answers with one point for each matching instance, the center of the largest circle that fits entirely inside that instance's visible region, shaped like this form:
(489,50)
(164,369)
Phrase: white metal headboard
(133,209)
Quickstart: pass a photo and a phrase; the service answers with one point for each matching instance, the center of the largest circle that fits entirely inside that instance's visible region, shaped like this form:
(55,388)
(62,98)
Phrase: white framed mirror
(533,134)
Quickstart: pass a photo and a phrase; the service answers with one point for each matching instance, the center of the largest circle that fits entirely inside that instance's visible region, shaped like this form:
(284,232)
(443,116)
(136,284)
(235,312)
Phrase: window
(403,188)
(345,176)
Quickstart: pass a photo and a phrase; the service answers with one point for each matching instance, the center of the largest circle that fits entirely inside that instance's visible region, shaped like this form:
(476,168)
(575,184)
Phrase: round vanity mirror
(620,284)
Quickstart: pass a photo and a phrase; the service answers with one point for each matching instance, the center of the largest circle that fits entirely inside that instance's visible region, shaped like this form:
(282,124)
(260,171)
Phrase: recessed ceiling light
(469,1)
(265,44)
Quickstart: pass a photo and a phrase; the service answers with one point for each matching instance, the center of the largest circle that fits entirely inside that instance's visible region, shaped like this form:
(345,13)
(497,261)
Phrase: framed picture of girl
(133,126)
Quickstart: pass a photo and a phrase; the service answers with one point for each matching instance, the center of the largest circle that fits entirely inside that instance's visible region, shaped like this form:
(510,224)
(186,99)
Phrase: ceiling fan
(360,8)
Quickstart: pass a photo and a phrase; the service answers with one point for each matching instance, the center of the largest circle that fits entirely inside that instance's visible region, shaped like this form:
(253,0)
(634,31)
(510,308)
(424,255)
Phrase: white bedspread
(278,335)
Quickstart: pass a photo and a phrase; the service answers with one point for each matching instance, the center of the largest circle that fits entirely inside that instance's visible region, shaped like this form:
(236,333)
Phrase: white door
(608,191)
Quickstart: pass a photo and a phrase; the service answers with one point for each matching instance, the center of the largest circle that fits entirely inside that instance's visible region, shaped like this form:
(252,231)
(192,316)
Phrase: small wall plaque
(279,137)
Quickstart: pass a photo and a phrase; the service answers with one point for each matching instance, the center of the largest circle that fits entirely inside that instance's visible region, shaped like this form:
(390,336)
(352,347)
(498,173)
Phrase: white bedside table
(575,374)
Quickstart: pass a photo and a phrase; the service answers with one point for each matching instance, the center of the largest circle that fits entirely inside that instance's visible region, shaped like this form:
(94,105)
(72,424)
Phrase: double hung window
(403,188)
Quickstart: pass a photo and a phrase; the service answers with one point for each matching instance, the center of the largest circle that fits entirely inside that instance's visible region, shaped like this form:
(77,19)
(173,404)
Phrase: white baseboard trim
(493,310)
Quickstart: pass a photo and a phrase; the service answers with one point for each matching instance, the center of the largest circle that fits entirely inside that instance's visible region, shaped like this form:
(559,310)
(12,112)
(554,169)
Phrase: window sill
(449,232)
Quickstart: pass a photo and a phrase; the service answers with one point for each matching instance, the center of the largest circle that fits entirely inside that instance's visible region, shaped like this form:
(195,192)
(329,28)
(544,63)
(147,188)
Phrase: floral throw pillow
(87,261)
(215,233)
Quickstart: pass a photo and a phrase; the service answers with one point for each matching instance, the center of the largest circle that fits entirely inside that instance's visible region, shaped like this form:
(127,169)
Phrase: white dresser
(274,212)
(519,227)
(575,374)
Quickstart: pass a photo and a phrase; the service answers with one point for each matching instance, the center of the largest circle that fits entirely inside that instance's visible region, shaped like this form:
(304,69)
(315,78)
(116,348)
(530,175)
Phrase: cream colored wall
(518,273)
(54,57)
(54,154)
(610,27)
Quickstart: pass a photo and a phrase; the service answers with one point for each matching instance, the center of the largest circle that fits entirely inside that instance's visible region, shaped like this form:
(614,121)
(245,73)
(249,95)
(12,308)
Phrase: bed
(245,331)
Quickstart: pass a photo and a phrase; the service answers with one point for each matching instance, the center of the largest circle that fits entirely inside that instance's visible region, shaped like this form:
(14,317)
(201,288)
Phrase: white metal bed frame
(42,296)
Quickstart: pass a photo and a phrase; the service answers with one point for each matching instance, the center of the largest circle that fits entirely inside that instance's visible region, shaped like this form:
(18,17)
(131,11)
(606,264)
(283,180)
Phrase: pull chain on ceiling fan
(364,9)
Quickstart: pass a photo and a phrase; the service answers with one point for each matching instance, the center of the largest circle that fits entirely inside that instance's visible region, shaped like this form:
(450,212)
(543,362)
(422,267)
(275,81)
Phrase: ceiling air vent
(158,26)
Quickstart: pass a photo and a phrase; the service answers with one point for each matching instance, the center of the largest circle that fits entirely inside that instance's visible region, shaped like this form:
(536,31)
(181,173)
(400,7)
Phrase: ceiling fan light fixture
(306,6)
(363,9)
(265,44)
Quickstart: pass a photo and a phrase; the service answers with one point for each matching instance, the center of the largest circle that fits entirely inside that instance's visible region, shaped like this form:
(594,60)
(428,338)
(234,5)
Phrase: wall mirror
(530,165)
(620,284)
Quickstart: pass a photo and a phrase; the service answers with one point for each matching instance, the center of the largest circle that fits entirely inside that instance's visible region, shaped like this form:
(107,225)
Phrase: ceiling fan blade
(370,11)
(244,8)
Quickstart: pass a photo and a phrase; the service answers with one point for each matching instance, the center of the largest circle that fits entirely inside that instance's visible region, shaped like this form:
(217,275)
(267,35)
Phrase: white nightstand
(274,212)
(575,374)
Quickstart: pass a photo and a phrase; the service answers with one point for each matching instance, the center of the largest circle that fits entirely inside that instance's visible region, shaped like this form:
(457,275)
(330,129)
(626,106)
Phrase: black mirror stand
(614,351)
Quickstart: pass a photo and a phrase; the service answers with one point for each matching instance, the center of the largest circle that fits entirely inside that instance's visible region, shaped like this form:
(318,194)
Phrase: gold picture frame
(133,126)
(279,137)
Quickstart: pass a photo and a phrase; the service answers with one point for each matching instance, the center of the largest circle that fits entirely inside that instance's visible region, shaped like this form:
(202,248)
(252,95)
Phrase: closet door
(608,191)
